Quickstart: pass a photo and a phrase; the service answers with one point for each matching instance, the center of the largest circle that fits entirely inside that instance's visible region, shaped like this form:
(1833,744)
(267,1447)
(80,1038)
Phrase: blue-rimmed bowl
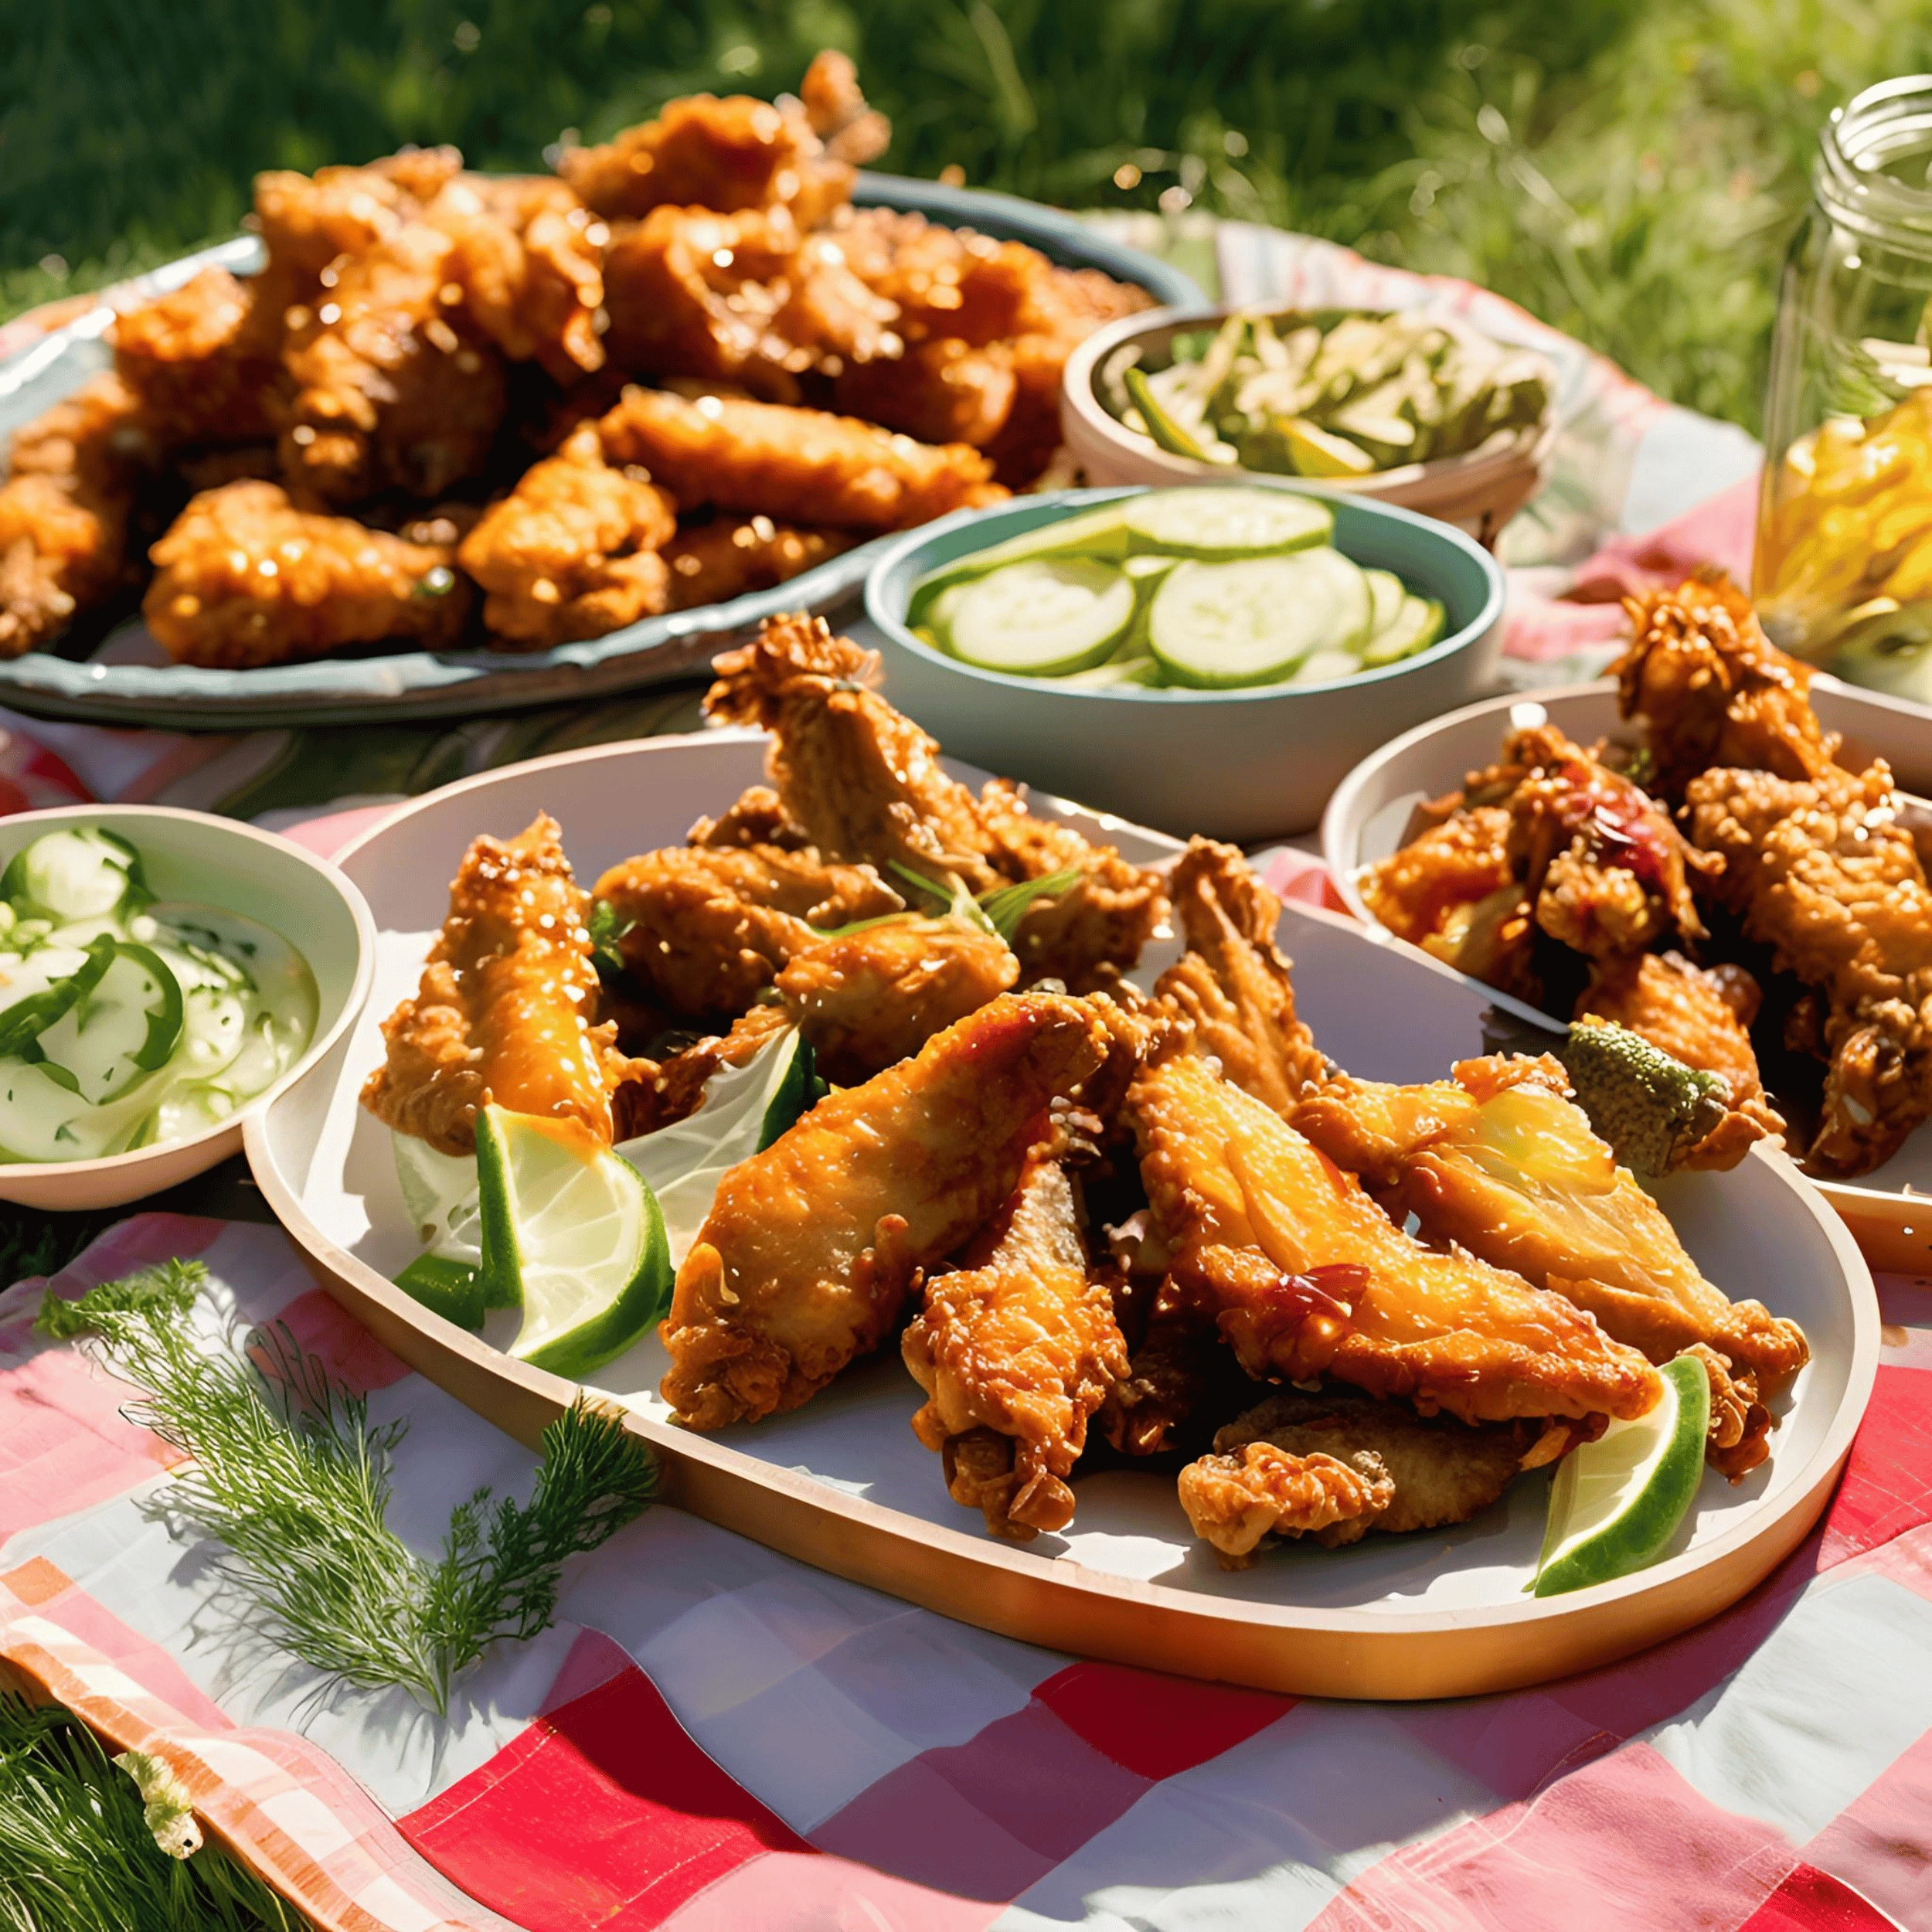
(1242,765)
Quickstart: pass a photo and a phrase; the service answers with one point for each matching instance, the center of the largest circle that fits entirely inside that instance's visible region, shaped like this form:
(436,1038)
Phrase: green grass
(1630,170)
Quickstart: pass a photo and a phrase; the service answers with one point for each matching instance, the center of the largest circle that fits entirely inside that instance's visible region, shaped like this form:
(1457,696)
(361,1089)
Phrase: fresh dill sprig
(34,1241)
(285,1472)
(77,1854)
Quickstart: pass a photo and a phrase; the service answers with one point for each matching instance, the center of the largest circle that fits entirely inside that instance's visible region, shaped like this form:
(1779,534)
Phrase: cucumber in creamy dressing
(125,1022)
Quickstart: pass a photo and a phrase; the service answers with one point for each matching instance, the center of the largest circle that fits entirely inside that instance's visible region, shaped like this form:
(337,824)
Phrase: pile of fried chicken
(1731,892)
(1162,1219)
(414,426)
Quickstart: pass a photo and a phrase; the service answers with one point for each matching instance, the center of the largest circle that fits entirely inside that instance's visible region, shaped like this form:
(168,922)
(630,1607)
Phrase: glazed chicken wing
(200,361)
(707,929)
(731,556)
(503,1013)
(245,578)
(572,552)
(811,1246)
(1232,986)
(799,465)
(1015,1352)
(1305,1275)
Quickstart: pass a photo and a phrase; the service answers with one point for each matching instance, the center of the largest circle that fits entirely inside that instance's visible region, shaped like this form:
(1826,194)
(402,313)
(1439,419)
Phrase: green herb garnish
(997,912)
(606,932)
(287,1472)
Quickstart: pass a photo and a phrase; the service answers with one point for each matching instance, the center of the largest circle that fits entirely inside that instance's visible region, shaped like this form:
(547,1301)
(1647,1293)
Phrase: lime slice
(1616,1501)
(450,1288)
(572,1236)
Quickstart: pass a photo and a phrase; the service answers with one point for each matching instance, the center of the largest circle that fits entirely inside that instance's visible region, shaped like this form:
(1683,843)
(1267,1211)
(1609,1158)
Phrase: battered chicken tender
(1233,1501)
(503,1014)
(1823,872)
(811,1246)
(200,363)
(1017,1350)
(1699,1017)
(798,465)
(1499,1163)
(731,557)
(741,298)
(1305,1275)
(244,578)
(945,391)
(572,552)
(867,1000)
(708,928)
(1714,690)
(396,388)
(1232,986)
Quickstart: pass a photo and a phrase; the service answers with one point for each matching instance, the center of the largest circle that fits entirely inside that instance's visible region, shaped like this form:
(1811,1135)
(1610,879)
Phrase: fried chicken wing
(811,1246)
(731,556)
(245,578)
(1020,1344)
(1235,1500)
(572,551)
(1823,872)
(1500,1162)
(1714,690)
(1305,1275)
(798,465)
(707,929)
(502,1015)
(1232,986)
(868,1000)
(200,363)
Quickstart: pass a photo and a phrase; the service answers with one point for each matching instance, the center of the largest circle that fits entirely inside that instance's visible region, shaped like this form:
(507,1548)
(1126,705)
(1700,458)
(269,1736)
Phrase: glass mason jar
(1843,571)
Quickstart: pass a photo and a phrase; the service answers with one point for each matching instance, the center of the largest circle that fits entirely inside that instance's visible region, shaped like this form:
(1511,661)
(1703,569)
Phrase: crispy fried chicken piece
(706,152)
(396,387)
(1017,1346)
(708,928)
(1305,1275)
(200,365)
(798,465)
(739,298)
(757,817)
(944,391)
(64,511)
(1714,690)
(1824,874)
(572,551)
(836,109)
(502,1015)
(309,222)
(1452,865)
(526,256)
(1231,986)
(1740,1437)
(731,556)
(1499,1163)
(811,1246)
(1233,1501)
(244,578)
(868,1000)
(1699,1017)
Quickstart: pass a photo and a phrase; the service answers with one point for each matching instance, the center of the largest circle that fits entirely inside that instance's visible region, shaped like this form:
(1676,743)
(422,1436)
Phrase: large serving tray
(842,1483)
(1889,1210)
(126,680)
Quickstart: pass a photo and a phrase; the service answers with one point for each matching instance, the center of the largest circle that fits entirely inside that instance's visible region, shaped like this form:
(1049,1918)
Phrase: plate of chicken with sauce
(1720,849)
(435,442)
(1024,1234)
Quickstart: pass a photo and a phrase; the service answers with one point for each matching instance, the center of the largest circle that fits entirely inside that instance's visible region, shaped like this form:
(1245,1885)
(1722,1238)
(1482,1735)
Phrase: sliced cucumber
(37,988)
(1417,625)
(1043,618)
(1165,433)
(1387,591)
(1220,626)
(122,1028)
(79,872)
(1215,523)
(1119,673)
(1326,666)
(1101,533)
(1147,569)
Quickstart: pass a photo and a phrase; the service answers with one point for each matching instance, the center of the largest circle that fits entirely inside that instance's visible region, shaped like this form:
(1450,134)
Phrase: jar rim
(1859,135)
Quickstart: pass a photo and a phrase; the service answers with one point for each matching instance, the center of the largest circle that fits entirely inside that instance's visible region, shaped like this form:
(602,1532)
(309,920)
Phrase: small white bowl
(219,862)
(1478,492)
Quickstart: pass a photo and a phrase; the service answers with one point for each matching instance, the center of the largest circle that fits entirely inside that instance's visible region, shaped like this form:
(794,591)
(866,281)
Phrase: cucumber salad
(126,1021)
(1212,588)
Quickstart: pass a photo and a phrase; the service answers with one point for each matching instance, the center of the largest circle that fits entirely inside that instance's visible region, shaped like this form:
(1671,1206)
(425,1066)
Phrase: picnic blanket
(713,1738)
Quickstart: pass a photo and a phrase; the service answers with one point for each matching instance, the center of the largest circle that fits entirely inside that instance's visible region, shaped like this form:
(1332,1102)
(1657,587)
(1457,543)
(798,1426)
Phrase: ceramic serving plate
(842,1483)
(1890,1210)
(127,678)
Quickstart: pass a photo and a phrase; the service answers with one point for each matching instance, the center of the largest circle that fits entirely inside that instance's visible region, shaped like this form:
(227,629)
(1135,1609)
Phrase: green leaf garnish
(606,932)
(999,911)
(1006,906)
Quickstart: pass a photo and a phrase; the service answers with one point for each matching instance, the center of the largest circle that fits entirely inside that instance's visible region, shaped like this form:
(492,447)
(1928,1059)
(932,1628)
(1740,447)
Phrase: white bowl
(219,862)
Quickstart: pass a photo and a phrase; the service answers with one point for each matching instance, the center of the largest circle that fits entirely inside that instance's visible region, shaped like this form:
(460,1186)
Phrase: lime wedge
(572,1236)
(1616,1501)
(450,1288)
